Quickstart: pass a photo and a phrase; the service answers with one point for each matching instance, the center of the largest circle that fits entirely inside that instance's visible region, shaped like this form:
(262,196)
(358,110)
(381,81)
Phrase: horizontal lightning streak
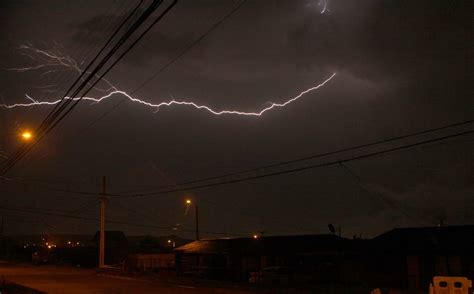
(173,102)
(56,58)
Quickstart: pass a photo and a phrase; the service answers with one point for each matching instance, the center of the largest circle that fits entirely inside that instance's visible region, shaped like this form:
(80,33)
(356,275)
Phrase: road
(61,279)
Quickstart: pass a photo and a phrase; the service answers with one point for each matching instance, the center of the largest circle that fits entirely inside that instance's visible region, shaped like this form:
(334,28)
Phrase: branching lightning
(55,59)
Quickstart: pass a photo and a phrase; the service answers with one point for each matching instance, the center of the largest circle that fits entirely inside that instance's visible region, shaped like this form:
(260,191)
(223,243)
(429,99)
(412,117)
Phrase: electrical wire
(52,122)
(314,156)
(163,68)
(54,112)
(299,169)
(109,221)
(291,161)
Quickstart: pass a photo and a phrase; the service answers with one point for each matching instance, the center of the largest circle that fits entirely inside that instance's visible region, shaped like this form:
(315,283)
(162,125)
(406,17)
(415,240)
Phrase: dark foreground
(59,279)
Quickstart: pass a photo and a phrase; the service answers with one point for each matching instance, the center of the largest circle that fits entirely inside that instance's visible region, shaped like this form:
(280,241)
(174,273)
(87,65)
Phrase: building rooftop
(424,238)
(300,244)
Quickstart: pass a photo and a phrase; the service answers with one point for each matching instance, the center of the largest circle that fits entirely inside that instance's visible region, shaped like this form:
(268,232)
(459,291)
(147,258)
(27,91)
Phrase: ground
(62,279)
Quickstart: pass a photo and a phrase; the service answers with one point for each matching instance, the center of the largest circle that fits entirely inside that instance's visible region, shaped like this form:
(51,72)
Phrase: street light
(26,135)
(196,214)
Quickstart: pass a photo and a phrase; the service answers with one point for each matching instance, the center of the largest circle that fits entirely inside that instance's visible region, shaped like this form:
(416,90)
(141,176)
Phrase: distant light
(188,201)
(27,135)
(49,246)
(169,241)
(255,236)
(47,243)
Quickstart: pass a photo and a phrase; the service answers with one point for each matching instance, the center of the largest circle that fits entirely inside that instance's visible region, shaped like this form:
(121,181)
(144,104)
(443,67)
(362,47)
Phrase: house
(403,258)
(411,257)
(305,258)
(152,254)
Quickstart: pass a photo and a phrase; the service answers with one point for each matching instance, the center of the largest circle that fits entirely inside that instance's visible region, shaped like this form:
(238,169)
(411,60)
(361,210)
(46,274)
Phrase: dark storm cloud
(386,39)
(89,33)
(401,68)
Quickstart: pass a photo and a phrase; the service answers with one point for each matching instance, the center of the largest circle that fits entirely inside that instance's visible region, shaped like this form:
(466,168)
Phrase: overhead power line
(314,156)
(120,25)
(124,53)
(58,116)
(56,110)
(118,222)
(178,187)
(288,171)
(153,219)
(387,201)
(167,65)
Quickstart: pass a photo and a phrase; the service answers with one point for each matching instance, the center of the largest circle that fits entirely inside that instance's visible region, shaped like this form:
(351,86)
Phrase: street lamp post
(103,205)
(196,215)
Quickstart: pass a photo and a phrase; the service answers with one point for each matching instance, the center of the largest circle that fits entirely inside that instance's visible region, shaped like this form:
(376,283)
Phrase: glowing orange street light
(255,236)
(188,201)
(26,136)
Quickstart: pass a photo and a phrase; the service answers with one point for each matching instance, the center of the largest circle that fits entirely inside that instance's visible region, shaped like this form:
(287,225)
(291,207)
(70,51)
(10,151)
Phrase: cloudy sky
(402,67)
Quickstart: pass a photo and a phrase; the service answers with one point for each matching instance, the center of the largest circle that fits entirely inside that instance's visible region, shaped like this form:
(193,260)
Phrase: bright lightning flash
(55,59)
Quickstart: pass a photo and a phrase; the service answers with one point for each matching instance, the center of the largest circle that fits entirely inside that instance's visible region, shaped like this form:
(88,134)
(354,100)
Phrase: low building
(411,257)
(152,254)
(286,259)
(404,258)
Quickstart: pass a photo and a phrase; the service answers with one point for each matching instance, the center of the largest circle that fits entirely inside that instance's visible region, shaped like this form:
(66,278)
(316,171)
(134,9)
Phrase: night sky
(402,67)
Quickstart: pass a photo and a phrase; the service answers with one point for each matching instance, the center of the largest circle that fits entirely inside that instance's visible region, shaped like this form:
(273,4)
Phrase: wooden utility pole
(197,222)
(103,204)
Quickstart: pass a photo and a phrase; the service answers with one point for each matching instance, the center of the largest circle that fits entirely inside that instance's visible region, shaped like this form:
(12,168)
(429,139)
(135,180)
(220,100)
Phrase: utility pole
(103,204)
(197,221)
(440,220)
(2,243)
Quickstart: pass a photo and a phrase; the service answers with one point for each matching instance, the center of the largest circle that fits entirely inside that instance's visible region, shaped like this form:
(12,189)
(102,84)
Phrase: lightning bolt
(321,4)
(55,59)
(324,5)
